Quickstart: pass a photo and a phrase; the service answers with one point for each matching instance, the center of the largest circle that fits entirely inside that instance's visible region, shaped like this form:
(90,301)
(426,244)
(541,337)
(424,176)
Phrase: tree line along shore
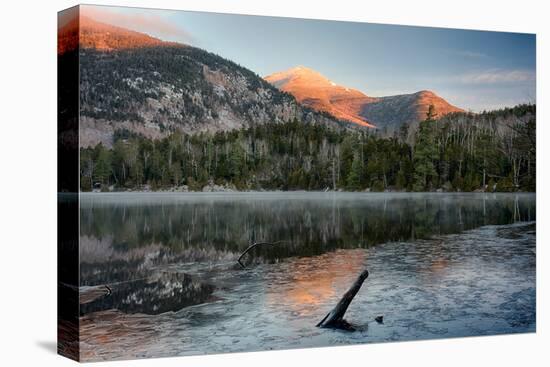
(491,151)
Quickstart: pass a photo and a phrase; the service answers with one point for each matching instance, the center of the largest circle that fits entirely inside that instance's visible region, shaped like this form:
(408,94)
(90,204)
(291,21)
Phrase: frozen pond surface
(441,265)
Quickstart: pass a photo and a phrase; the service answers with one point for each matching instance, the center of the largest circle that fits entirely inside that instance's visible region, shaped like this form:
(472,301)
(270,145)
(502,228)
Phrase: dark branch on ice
(335,318)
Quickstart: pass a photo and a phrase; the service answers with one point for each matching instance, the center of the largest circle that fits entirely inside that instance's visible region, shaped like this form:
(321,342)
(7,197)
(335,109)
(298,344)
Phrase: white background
(28,182)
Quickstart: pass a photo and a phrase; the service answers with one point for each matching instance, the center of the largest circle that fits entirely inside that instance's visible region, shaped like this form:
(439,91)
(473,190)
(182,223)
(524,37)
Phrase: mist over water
(440,265)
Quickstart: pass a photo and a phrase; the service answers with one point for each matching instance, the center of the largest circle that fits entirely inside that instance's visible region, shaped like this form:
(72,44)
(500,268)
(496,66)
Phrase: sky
(474,70)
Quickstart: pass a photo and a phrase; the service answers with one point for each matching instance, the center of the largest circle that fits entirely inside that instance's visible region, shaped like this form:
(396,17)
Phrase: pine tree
(425,153)
(355,173)
(103,165)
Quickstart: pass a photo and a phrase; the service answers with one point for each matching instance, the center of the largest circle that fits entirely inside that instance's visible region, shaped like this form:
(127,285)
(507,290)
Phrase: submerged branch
(335,318)
(254,245)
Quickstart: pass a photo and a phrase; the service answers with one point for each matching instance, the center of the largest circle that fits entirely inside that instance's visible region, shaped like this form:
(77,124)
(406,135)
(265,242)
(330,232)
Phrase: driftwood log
(335,318)
(254,245)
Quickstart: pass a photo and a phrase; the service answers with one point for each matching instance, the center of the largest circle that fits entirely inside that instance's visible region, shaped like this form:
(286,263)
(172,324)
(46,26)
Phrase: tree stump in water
(335,318)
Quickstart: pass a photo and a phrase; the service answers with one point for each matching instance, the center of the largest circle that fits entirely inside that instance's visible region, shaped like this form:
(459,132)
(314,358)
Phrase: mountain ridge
(127,84)
(390,112)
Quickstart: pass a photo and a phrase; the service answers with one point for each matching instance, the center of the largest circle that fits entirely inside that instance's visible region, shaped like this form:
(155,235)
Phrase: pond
(159,273)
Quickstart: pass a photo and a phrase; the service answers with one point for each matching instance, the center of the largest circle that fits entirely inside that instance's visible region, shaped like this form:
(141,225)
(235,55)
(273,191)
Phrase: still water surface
(441,265)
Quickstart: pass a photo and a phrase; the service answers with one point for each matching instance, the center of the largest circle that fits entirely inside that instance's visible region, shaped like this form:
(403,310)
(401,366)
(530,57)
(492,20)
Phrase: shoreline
(300,192)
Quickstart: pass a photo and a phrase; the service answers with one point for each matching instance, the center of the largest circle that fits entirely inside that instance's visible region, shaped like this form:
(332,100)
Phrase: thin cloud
(472,54)
(497,76)
(149,23)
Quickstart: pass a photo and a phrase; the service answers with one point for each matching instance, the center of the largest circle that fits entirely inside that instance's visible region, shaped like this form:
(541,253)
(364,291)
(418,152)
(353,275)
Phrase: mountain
(131,83)
(318,92)
(101,36)
(393,111)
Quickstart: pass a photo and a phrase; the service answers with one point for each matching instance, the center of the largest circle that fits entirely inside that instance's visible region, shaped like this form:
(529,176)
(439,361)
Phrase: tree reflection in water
(127,238)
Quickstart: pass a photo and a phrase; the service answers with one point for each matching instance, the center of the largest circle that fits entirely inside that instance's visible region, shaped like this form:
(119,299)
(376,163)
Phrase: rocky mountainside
(135,84)
(318,92)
